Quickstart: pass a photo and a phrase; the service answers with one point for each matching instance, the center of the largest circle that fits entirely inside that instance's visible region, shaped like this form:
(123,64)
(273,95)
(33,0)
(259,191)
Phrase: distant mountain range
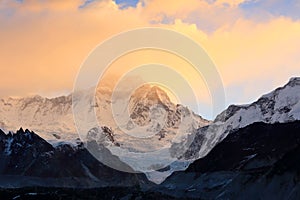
(247,152)
(150,113)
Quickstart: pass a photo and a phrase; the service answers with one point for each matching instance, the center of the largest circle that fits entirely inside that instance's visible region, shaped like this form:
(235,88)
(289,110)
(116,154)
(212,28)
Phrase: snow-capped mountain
(147,97)
(281,105)
(50,118)
(148,103)
(144,127)
(153,121)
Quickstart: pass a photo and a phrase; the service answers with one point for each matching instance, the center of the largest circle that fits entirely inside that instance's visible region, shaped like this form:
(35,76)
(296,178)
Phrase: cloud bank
(255,44)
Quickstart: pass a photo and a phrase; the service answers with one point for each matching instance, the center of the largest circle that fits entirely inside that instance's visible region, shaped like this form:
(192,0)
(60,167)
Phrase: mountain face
(154,120)
(260,161)
(147,97)
(28,160)
(50,118)
(150,103)
(281,105)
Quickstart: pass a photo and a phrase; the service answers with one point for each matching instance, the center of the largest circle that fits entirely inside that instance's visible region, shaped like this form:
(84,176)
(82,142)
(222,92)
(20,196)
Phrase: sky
(255,44)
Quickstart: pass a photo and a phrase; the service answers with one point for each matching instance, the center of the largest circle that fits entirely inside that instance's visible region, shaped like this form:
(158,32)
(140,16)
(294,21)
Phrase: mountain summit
(145,100)
(279,106)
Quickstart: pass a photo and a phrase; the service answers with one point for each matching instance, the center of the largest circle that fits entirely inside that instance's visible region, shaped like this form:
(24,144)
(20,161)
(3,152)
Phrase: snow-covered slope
(153,121)
(50,118)
(281,105)
(53,120)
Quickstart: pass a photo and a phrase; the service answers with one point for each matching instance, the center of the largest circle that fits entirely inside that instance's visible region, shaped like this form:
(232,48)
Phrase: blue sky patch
(126,3)
(288,8)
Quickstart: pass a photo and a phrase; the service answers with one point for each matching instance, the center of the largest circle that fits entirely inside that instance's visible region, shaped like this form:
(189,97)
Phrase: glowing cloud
(43,43)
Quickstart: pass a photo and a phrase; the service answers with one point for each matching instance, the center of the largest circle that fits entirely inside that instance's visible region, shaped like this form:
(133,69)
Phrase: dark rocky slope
(260,161)
(28,160)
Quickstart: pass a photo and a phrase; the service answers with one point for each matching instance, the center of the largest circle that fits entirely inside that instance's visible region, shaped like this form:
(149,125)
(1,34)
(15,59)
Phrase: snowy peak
(294,81)
(149,99)
(149,95)
(157,94)
(151,104)
(280,105)
(152,93)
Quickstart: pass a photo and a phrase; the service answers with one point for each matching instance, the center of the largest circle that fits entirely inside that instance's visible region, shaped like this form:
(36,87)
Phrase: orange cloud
(43,43)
